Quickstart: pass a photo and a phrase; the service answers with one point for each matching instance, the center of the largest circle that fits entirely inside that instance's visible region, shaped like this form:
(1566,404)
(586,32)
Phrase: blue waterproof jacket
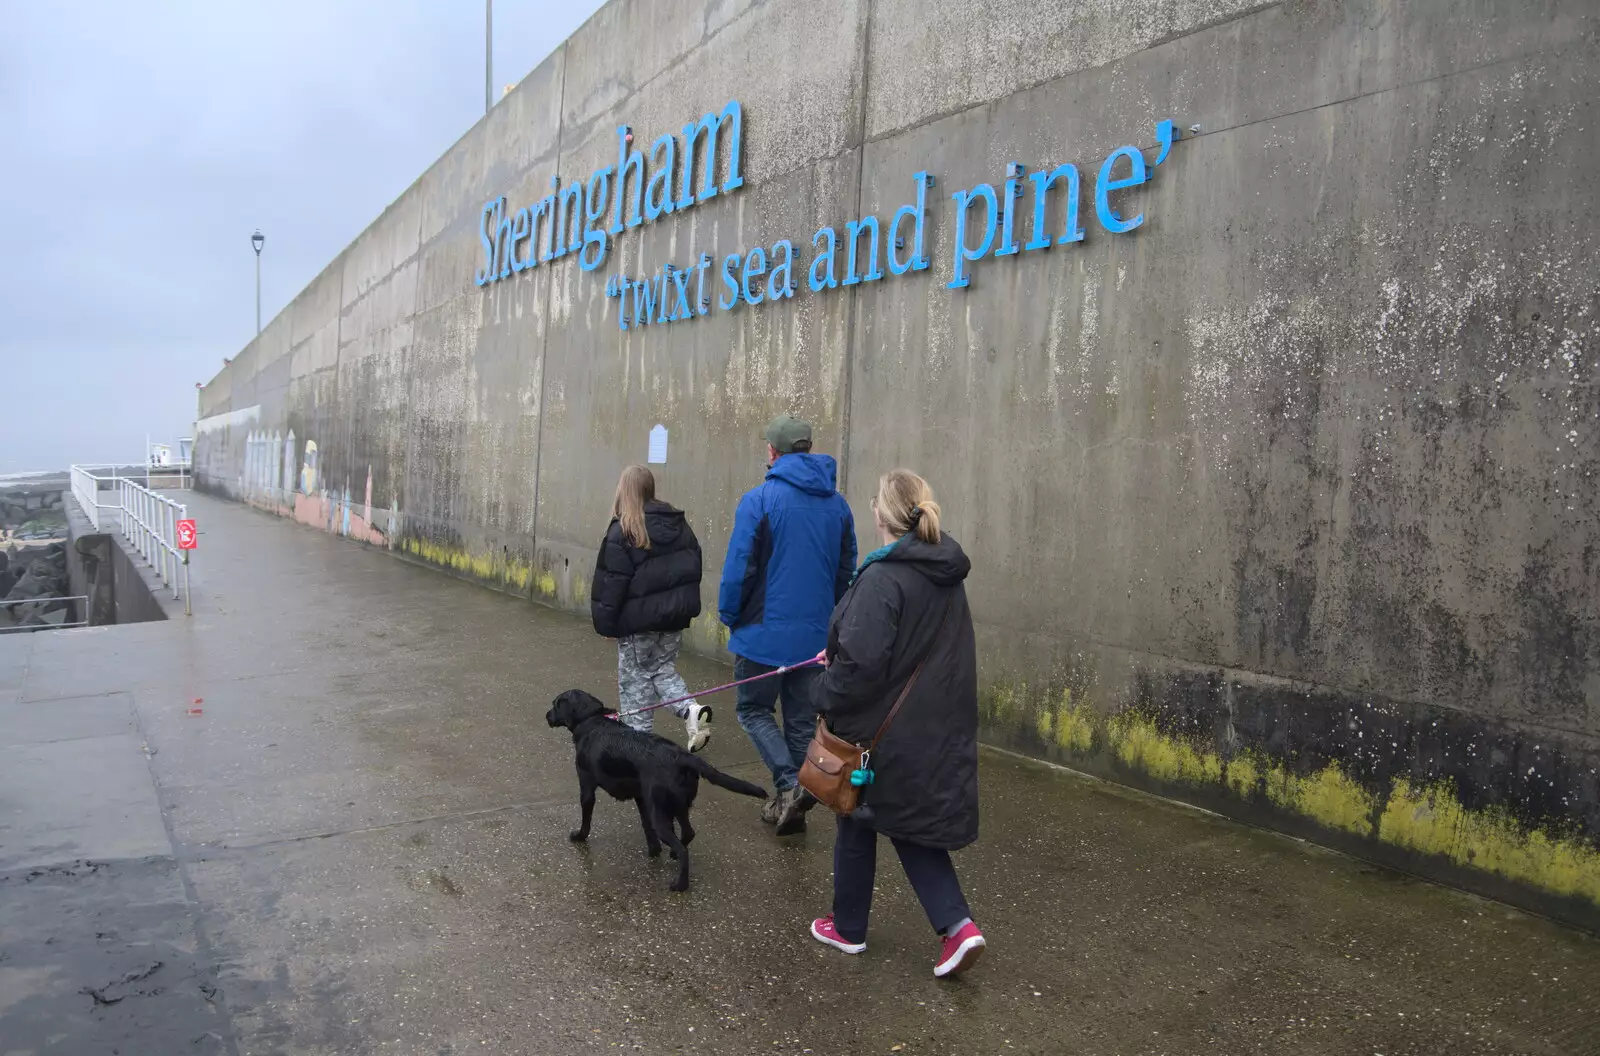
(789,561)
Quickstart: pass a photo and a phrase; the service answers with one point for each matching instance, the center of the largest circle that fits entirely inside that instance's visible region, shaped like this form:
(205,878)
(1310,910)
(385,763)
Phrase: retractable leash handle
(774,673)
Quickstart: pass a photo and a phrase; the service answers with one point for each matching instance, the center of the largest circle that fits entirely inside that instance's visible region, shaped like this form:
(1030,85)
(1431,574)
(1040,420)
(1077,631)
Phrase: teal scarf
(877,555)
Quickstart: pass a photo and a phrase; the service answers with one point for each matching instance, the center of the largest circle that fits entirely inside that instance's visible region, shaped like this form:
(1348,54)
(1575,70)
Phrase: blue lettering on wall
(918,215)
(867,225)
(1042,182)
(658,194)
(502,240)
(676,175)
(594,207)
(729,262)
(1106,184)
(755,265)
(782,264)
(486,274)
(519,233)
(629,163)
(963,252)
(822,276)
(638,190)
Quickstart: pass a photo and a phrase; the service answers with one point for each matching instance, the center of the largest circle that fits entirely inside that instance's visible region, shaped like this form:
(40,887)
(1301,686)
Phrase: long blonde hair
(905,502)
(637,487)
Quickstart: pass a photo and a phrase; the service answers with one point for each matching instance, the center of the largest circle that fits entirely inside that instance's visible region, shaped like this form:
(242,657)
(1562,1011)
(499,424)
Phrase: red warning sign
(188,537)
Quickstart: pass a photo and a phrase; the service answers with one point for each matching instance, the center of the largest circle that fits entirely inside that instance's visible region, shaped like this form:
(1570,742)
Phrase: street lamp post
(257,240)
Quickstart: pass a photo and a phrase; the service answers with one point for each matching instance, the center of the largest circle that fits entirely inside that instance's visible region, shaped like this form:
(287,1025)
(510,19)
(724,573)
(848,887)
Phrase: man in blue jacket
(789,561)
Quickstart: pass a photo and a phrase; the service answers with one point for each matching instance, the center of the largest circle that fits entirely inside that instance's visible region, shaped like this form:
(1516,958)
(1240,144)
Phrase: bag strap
(906,692)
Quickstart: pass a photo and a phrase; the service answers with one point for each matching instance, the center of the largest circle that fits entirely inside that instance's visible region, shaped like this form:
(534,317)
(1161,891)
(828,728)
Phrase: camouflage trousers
(647,673)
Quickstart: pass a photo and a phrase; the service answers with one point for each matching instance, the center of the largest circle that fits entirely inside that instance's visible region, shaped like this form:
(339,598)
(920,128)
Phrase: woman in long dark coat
(906,606)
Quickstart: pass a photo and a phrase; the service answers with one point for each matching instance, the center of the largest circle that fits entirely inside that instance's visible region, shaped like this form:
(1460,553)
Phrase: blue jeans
(782,750)
(855,866)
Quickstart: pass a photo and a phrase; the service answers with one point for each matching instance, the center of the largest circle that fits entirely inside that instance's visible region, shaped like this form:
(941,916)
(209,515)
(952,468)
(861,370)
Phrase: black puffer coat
(657,589)
(926,786)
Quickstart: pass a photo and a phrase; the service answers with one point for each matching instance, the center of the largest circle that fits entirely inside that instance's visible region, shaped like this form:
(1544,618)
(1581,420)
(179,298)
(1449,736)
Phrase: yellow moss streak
(490,567)
(1328,796)
(708,632)
(1137,743)
(1074,725)
(1432,820)
(1426,819)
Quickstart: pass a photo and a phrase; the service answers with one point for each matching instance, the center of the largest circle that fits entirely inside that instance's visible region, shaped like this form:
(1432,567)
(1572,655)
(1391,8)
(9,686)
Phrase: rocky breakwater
(37,578)
(33,557)
(32,514)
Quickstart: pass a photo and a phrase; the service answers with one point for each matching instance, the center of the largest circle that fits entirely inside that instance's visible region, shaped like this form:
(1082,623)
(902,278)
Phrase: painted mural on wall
(269,481)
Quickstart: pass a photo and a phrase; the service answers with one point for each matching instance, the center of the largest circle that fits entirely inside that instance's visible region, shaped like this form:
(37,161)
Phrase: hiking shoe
(792,811)
(823,931)
(697,726)
(961,951)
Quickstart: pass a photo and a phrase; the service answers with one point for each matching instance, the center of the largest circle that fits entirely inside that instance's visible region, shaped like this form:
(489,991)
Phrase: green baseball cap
(786,431)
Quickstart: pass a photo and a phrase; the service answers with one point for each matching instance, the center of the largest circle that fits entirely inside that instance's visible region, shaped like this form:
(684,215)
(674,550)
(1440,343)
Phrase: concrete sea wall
(1282,501)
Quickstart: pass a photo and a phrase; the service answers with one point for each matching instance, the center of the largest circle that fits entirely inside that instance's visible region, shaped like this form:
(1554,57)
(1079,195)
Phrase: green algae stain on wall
(1430,819)
(1327,796)
(707,634)
(1067,725)
(1427,819)
(1138,744)
(486,566)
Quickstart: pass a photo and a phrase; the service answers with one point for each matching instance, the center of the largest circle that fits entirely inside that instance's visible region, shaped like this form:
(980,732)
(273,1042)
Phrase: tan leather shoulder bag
(830,759)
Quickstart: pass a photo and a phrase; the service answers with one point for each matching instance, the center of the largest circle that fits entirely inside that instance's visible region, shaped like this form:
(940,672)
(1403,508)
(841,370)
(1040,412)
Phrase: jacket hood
(664,523)
(944,563)
(813,474)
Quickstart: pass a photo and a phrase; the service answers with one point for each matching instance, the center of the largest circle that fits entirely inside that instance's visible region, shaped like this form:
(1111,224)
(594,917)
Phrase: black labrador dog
(652,771)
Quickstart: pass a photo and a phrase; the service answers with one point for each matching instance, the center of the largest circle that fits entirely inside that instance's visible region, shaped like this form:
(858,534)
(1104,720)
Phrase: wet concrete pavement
(358,845)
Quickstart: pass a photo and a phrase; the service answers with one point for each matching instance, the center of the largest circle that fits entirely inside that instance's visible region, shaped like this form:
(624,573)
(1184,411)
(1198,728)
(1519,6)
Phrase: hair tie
(916,515)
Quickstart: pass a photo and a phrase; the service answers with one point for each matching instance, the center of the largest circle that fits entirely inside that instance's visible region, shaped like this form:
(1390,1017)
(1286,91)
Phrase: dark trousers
(782,749)
(855,865)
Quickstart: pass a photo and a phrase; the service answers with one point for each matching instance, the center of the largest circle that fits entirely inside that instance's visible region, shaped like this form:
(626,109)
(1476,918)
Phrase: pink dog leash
(814,661)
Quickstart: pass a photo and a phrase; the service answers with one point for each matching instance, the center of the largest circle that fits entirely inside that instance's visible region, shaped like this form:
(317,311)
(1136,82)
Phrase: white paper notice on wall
(658,445)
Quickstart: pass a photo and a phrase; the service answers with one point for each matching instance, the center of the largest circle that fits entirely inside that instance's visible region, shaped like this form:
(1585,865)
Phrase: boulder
(32,586)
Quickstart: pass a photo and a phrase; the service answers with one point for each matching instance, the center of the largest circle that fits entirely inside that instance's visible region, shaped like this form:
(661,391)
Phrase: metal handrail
(86,489)
(150,522)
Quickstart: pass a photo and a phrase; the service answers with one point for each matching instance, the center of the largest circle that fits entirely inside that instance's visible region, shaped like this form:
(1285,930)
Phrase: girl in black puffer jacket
(646,592)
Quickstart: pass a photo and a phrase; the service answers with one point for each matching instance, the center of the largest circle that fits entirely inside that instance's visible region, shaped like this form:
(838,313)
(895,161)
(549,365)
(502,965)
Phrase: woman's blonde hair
(637,487)
(905,503)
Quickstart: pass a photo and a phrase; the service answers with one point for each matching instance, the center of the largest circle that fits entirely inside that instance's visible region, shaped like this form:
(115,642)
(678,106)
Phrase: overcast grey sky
(144,142)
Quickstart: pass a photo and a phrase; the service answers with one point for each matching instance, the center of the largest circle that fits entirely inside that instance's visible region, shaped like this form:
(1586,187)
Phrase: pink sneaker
(822,930)
(961,950)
